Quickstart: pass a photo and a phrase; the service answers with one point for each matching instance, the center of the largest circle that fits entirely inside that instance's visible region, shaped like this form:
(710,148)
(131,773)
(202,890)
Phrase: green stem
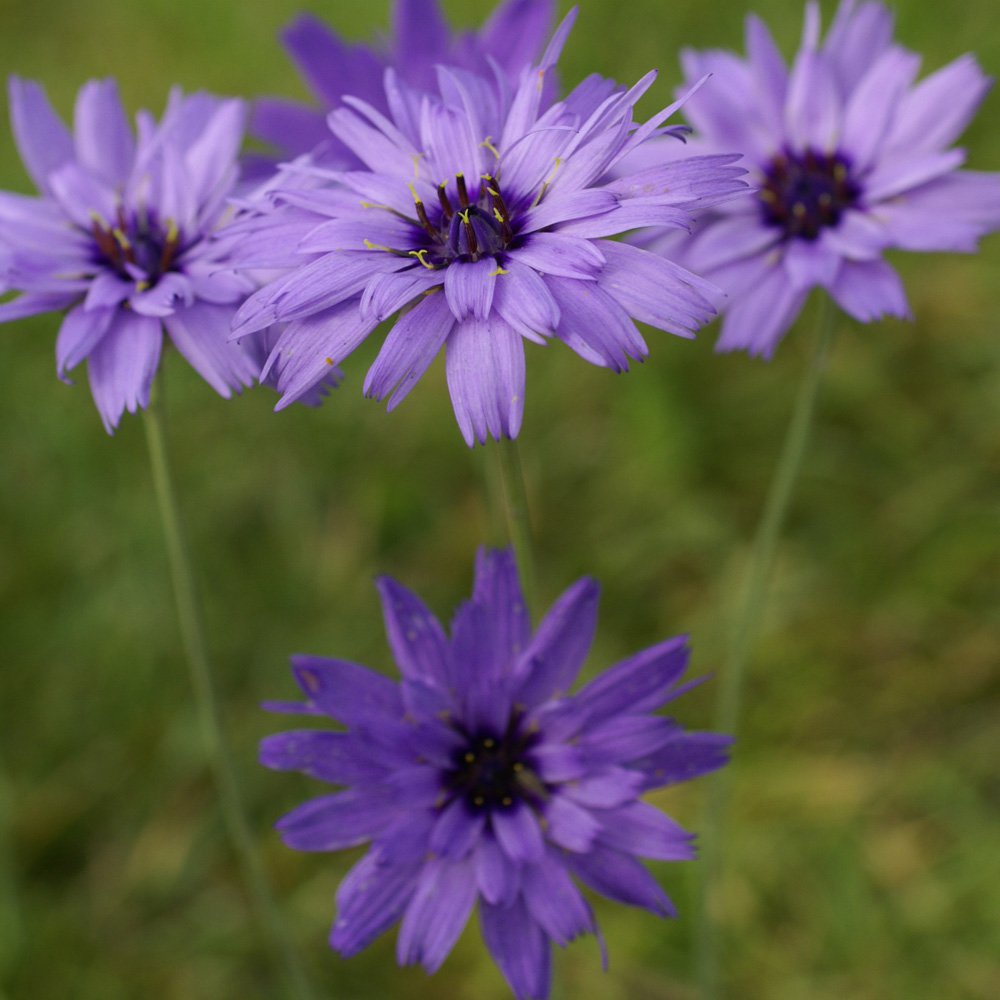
(746,625)
(216,744)
(11,931)
(515,505)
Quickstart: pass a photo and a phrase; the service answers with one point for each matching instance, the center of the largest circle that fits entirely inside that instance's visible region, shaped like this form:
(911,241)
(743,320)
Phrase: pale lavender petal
(468,288)
(857,37)
(564,256)
(340,758)
(686,756)
(895,174)
(122,364)
(497,590)
(386,293)
(456,831)
(291,127)
(345,819)
(607,788)
(762,316)
(80,332)
(201,334)
(423,39)
(813,112)
(484,363)
(104,141)
(516,31)
(42,139)
(869,290)
(33,303)
(346,691)
(808,263)
(497,880)
(570,825)
(409,348)
(523,299)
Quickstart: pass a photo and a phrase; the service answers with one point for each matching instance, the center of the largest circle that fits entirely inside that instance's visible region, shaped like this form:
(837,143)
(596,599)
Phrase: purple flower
(118,238)
(511,39)
(478,779)
(850,158)
(486,217)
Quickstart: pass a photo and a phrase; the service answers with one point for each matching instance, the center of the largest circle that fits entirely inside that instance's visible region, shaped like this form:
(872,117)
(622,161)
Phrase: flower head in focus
(118,238)
(484,216)
(478,779)
(421,39)
(850,158)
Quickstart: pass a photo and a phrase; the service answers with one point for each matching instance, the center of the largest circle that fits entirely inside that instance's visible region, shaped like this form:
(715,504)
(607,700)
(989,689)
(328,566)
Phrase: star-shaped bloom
(118,241)
(850,157)
(485,217)
(480,781)
(421,39)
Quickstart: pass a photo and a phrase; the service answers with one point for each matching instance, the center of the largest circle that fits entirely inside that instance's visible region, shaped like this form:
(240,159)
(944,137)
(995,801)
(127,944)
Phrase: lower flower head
(479,781)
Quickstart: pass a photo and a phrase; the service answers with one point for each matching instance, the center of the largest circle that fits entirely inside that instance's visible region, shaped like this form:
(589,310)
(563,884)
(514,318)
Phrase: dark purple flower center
(475,228)
(804,192)
(495,772)
(136,249)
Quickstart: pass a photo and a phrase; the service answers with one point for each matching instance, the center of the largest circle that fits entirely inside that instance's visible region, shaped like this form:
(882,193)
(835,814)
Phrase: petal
(104,141)
(593,324)
(347,691)
(813,110)
(641,829)
(409,348)
(371,898)
(386,293)
(437,913)
(81,330)
(620,877)
(201,334)
(340,758)
(869,290)
(416,638)
(686,756)
(518,833)
(566,256)
(569,825)
(457,830)
(810,263)
(553,657)
(42,139)
(519,947)
(635,685)
(468,288)
(608,788)
(523,299)
(484,364)
(122,365)
(497,880)
(555,902)
(497,590)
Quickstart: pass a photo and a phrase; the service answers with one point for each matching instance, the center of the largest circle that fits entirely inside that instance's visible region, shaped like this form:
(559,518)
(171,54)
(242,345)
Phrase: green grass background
(862,852)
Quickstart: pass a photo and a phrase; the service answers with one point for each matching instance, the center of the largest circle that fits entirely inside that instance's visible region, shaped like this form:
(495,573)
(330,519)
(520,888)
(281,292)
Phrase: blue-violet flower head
(512,38)
(849,157)
(479,779)
(117,238)
(484,218)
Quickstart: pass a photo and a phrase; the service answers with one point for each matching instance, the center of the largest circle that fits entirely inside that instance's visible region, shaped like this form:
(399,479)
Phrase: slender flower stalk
(517,514)
(11,928)
(213,733)
(745,629)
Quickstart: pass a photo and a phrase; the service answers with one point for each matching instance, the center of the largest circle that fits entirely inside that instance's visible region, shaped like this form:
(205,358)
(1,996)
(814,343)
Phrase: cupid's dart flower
(850,158)
(478,780)
(118,238)
(512,38)
(485,218)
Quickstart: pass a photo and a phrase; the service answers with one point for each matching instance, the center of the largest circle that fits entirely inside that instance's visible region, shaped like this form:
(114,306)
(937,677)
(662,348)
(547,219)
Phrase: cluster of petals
(850,157)
(512,38)
(478,779)
(117,238)
(485,214)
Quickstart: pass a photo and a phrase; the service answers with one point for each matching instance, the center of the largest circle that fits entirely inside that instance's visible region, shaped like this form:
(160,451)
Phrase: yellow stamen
(487,143)
(498,272)
(419,254)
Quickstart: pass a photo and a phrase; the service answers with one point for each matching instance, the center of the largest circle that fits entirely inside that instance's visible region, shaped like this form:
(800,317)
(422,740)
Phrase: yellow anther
(479,800)
(413,191)
(489,744)
(419,254)
(498,272)
(507,800)
(548,181)
(518,767)
(464,216)
(487,143)
(498,215)
(470,758)
(173,233)
(123,240)
(328,361)
(142,286)
(375,204)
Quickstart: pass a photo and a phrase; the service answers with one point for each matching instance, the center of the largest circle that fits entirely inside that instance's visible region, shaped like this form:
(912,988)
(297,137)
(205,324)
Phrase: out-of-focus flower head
(850,158)
(117,238)
(484,215)
(479,779)
(421,39)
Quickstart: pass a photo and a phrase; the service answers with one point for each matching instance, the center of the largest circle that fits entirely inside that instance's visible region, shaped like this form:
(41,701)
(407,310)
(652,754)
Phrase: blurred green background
(863,855)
